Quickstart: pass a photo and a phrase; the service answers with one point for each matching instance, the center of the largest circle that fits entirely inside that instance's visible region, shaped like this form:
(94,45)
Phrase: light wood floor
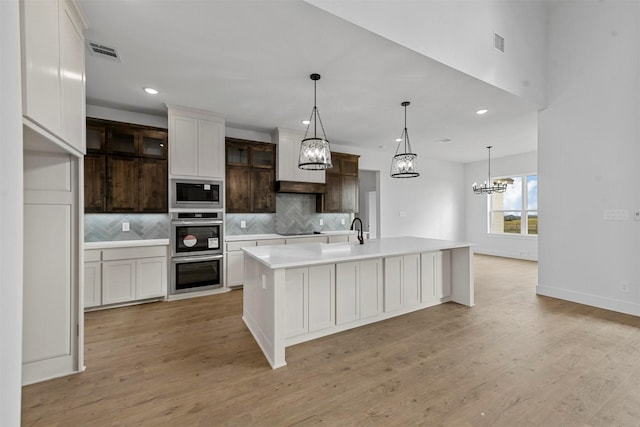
(515,359)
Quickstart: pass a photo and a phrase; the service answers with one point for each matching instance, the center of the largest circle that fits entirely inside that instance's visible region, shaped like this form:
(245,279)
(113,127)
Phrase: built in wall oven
(196,251)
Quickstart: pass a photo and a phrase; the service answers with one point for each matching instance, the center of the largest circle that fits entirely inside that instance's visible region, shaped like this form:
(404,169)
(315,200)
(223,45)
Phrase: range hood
(300,187)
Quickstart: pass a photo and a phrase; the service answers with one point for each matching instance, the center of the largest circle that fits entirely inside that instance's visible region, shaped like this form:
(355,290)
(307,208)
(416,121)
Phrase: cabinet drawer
(92,255)
(270,242)
(138,252)
(236,246)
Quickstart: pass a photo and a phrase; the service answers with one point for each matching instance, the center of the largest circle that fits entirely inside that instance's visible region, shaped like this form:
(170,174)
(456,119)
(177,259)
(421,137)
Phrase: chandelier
(315,153)
(497,187)
(403,164)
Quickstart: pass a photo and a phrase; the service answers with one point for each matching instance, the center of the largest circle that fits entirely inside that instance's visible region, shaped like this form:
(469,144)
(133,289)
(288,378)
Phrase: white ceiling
(250,61)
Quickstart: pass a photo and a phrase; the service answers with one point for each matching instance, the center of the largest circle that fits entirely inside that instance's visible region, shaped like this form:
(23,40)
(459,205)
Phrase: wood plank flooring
(515,359)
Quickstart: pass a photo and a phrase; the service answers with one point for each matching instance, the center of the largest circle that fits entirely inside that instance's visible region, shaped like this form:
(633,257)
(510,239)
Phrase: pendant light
(403,164)
(315,153)
(487,188)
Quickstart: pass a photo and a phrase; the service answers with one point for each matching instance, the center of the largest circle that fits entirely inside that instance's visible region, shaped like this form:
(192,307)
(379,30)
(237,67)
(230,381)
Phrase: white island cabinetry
(292,295)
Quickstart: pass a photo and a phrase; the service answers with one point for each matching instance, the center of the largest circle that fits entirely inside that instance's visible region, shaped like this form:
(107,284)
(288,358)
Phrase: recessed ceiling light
(481,112)
(398,139)
(150,91)
(305,122)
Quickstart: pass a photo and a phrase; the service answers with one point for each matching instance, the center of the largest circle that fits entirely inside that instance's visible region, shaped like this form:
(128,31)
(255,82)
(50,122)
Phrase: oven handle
(198,222)
(182,260)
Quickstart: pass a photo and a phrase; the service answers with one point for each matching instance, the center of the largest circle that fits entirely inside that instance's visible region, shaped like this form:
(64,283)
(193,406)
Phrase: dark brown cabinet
(126,168)
(250,176)
(341,185)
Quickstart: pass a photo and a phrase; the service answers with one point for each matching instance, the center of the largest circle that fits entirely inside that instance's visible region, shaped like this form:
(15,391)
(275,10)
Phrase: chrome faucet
(360,237)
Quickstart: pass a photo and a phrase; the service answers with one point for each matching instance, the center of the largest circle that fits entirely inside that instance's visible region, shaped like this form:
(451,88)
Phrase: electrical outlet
(624,286)
(321,221)
(342,221)
(125,226)
(243,224)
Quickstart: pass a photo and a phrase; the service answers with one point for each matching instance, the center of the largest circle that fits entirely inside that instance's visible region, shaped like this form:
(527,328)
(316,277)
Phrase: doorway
(369,201)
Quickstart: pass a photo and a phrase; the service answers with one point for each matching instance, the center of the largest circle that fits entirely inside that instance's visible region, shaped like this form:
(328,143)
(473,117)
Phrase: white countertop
(286,256)
(126,243)
(241,237)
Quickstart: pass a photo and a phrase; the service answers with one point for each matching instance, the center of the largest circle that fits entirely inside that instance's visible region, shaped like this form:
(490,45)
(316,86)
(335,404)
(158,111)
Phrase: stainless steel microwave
(196,194)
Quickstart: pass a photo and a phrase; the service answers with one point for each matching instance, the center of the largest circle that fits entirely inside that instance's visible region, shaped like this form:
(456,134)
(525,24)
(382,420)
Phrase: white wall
(460,34)
(10,215)
(433,203)
(589,152)
(523,247)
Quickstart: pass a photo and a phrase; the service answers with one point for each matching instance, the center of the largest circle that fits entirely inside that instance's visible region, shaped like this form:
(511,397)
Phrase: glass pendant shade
(315,152)
(404,162)
(487,187)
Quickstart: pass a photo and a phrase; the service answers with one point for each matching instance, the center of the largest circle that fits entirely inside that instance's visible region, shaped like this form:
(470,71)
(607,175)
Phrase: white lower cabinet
(359,290)
(309,299)
(118,281)
(124,275)
(432,283)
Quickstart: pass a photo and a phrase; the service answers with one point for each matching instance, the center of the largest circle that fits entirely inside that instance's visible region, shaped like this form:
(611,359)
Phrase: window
(516,210)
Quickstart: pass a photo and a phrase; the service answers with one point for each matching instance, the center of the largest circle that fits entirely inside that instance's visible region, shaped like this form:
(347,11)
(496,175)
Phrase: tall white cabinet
(196,143)
(53,99)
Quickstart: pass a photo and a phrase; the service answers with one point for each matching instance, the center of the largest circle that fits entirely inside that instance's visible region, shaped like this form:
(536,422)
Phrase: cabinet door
(95,169)
(238,187)
(152,185)
(296,302)
(263,191)
(151,277)
(392,283)
(92,284)
(96,138)
(428,275)
(72,98)
(235,268)
(347,292)
(210,149)
(411,292)
(41,72)
(331,200)
(349,165)
(152,143)
(122,140)
(371,283)
(322,308)
(237,153)
(263,156)
(118,281)
(349,193)
(122,179)
(183,146)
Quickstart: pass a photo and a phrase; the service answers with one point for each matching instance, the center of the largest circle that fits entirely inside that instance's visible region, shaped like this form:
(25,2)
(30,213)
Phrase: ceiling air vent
(498,42)
(104,51)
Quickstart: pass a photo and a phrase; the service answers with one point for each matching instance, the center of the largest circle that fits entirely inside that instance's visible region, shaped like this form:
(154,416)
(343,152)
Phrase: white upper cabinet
(288,151)
(53,71)
(196,143)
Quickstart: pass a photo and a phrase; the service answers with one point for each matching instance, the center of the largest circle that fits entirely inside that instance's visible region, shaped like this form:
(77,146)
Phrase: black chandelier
(403,164)
(315,153)
(487,188)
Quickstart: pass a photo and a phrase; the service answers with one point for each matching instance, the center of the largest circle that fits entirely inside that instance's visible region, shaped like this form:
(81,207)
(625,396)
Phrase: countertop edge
(240,237)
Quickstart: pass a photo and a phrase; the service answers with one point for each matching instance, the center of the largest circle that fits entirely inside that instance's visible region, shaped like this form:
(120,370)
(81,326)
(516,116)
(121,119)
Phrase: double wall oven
(197,239)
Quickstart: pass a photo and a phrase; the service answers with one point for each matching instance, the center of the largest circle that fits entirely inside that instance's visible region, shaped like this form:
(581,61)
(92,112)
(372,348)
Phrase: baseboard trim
(590,299)
(504,254)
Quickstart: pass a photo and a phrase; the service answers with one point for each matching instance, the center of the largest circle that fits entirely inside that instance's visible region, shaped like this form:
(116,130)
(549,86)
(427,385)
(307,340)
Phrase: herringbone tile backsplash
(295,213)
(108,227)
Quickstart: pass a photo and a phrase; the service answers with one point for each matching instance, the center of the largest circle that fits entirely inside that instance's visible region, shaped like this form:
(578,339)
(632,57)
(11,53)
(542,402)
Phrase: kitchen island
(302,292)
